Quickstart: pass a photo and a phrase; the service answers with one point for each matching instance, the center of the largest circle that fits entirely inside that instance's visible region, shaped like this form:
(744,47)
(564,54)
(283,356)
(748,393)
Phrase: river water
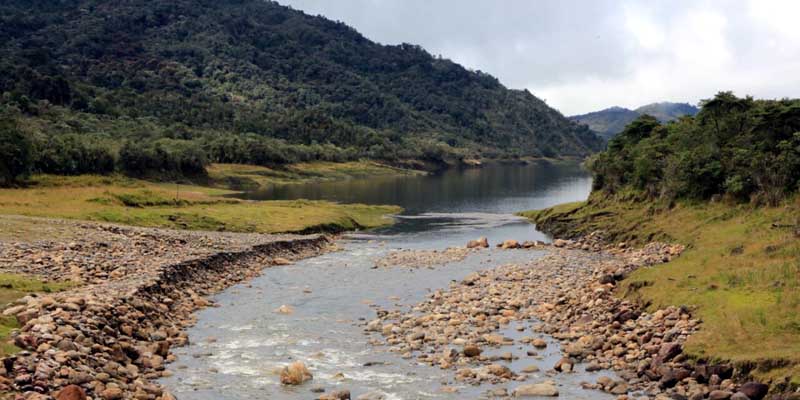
(238,347)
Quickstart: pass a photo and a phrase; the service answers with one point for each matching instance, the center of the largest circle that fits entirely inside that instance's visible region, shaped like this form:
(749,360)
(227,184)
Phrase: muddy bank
(111,337)
(567,295)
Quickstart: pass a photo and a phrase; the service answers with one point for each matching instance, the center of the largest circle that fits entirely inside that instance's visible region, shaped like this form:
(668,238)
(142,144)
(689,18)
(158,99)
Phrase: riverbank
(252,177)
(133,291)
(128,201)
(739,275)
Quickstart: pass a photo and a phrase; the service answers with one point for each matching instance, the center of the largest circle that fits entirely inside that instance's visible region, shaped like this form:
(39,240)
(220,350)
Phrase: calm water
(238,347)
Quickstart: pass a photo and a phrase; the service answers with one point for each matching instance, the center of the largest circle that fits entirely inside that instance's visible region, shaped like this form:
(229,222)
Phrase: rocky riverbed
(566,295)
(110,337)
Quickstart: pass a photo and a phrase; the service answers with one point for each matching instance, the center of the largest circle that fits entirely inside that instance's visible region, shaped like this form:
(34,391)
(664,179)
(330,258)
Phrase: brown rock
(295,373)
(71,392)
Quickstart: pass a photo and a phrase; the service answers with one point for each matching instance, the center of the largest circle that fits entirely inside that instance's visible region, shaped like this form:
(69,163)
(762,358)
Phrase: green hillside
(144,85)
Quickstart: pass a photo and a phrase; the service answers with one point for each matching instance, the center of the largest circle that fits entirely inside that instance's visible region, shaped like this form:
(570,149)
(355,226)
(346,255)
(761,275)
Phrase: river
(237,347)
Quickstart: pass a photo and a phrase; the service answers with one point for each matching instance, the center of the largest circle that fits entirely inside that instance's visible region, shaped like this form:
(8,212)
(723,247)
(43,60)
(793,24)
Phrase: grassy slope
(741,273)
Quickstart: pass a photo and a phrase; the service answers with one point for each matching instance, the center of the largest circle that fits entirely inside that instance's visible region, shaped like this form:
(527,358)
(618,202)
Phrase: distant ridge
(611,121)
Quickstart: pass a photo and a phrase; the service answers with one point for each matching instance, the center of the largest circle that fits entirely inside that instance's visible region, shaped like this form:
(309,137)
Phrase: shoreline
(110,336)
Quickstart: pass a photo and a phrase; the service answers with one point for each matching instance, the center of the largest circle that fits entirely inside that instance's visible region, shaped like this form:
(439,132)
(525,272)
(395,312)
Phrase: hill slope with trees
(144,86)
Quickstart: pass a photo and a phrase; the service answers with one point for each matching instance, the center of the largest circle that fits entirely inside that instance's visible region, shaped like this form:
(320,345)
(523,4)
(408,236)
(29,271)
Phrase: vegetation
(611,121)
(158,89)
(135,202)
(724,183)
(738,148)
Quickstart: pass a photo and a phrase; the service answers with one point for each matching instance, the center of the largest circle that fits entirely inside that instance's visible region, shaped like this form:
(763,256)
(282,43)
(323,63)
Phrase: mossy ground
(741,271)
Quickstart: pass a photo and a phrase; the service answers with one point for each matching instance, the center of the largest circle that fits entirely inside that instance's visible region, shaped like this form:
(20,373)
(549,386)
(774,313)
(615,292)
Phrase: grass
(741,272)
(238,176)
(13,287)
(135,202)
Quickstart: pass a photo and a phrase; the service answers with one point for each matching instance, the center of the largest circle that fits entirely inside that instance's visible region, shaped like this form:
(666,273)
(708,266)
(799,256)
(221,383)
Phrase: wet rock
(472,350)
(480,243)
(336,395)
(285,309)
(539,343)
(371,396)
(510,244)
(295,373)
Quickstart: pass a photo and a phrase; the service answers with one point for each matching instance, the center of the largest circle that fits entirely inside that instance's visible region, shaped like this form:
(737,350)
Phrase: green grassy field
(741,272)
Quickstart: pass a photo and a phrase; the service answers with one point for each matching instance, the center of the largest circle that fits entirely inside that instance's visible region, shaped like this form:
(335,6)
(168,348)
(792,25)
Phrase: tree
(16,152)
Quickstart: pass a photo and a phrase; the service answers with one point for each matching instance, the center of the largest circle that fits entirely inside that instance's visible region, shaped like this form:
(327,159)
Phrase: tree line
(742,149)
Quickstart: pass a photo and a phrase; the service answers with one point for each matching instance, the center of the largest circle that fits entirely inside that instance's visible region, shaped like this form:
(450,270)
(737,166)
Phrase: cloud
(582,56)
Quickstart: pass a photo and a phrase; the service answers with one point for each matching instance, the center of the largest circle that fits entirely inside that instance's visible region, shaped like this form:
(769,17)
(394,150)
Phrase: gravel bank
(111,336)
(567,295)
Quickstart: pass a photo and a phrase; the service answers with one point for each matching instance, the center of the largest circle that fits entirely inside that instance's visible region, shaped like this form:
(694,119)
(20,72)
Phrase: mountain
(612,121)
(666,111)
(230,76)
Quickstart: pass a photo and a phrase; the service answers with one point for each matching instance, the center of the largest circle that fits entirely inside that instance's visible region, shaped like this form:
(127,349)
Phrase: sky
(585,55)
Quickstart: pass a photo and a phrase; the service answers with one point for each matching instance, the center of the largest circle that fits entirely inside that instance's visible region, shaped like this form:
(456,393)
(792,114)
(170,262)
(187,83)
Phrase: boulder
(472,350)
(336,395)
(510,244)
(295,373)
(754,390)
(719,395)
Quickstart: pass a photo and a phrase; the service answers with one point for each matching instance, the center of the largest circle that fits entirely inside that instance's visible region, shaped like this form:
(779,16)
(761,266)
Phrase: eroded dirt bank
(110,337)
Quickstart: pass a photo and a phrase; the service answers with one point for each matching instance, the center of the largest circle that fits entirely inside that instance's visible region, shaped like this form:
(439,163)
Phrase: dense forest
(168,86)
(609,122)
(737,148)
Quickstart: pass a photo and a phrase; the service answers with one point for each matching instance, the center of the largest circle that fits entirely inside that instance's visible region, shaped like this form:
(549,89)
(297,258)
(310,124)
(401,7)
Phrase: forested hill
(220,73)
(611,121)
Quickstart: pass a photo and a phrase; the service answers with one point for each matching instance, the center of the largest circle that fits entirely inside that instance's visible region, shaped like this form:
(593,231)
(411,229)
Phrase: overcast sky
(585,55)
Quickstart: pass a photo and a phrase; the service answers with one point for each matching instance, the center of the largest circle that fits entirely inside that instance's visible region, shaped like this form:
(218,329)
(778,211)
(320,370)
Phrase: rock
(539,343)
(499,370)
(281,261)
(482,243)
(371,396)
(754,390)
(472,350)
(111,393)
(71,392)
(739,396)
(719,395)
(336,395)
(560,243)
(510,244)
(295,373)
(530,369)
(668,351)
(563,365)
(536,389)
(284,309)
(619,389)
